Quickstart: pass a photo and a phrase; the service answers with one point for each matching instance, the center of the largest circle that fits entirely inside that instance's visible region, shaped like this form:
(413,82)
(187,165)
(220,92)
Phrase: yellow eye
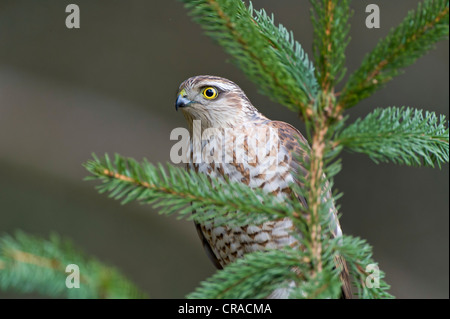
(210,93)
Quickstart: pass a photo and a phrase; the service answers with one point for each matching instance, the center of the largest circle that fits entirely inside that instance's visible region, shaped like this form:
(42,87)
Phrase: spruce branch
(324,285)
(331,37)
(31,264)
(315,196)
(415,36)
(321,223)
(267,54)
(174,190)
(256,275)
(289,52)
(399,135)
(358,254)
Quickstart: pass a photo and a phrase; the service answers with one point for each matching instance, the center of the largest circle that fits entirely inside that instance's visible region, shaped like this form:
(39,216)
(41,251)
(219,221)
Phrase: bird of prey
(211,102)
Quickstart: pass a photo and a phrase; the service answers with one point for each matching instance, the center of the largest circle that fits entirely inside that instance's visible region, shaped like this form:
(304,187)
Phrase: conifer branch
(31,264)
(358,254)
(289,52)
(174,190)
(416,35)
(256,275)
(315,191)
(320,280)
(256,46)
(331,29)
(399,135)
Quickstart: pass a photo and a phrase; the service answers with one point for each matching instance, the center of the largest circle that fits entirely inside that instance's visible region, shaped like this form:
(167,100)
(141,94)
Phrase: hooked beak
(182,101)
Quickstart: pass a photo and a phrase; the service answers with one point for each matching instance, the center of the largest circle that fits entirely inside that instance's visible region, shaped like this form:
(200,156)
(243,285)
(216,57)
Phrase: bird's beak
(181,102)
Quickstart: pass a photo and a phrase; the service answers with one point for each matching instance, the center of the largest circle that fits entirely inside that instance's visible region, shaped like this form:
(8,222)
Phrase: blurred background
(110,87)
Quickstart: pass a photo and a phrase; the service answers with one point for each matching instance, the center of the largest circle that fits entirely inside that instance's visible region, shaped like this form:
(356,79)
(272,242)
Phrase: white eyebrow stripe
(226,87)
(220,85)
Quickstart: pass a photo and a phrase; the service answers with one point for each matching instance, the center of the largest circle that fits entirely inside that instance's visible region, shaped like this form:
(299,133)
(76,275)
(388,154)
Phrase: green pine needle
(258,274)
(358,254)
(399,135)
(173,190)
(255,275)
(267,54)
(415,36)
(331,37)
(30,264)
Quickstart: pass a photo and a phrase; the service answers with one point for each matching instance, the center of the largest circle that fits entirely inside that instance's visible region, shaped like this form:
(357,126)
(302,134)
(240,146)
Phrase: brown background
(110,86)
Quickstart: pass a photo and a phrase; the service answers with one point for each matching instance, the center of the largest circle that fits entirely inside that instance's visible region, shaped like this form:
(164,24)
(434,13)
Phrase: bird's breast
(256,158)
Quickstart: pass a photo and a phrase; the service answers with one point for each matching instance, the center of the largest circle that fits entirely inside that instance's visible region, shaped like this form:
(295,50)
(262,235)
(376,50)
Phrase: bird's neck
(222,122)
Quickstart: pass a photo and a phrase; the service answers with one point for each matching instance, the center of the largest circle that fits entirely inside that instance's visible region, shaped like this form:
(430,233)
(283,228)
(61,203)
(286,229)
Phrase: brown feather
(290,137)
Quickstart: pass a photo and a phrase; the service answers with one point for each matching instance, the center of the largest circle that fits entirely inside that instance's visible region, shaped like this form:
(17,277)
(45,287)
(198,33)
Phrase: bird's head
(215,101)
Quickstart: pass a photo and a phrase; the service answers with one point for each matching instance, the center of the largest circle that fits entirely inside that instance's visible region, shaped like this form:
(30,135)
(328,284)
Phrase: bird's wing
(291,139)
(207,246)
(205,243)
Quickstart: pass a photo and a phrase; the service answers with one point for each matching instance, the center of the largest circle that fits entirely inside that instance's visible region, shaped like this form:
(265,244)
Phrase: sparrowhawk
(214,102)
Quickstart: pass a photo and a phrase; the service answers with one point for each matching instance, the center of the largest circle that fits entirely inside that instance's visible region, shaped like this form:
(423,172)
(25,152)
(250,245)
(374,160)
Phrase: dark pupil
(209,92)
